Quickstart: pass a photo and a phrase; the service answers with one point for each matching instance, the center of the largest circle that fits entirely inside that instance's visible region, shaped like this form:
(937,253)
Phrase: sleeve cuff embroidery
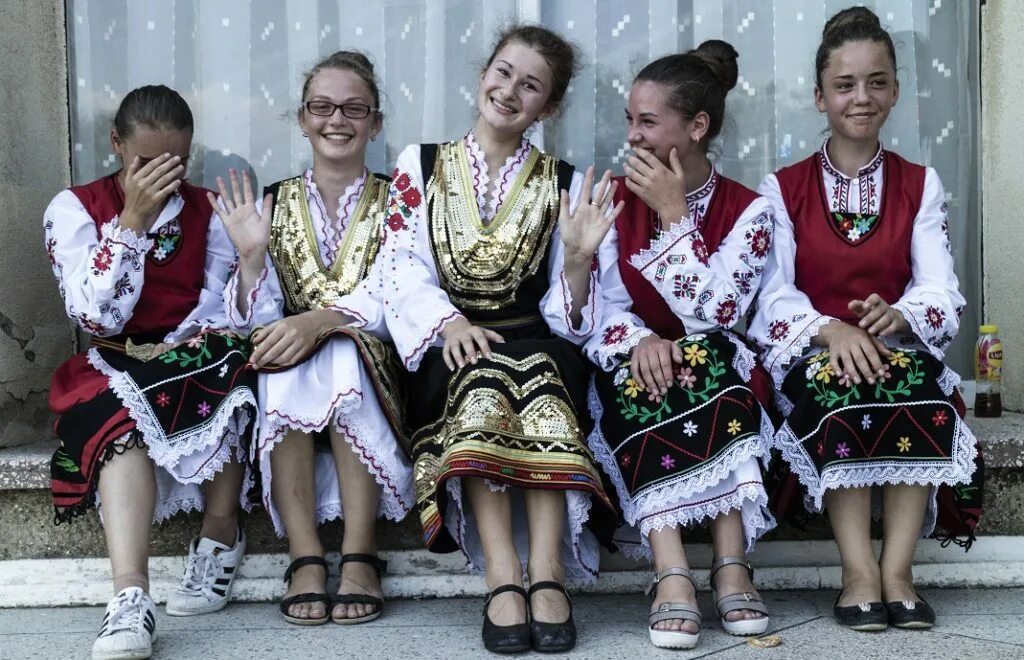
(114,233)
(663,244)
(587,313)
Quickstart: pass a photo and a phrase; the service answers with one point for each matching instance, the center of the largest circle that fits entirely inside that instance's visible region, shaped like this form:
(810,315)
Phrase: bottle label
(989,359)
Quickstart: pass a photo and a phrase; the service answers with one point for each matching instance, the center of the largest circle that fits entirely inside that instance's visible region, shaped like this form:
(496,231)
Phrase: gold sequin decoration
(482,266)
(306,282)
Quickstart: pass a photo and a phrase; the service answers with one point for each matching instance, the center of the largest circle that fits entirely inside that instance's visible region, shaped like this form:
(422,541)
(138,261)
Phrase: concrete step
(27,512)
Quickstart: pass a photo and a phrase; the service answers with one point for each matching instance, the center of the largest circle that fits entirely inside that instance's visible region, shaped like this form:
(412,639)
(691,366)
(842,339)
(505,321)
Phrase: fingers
(169,176)
(674,164)
(144,171)
(166,165)
(446,353)
(268,347)
(633,171)
(644,164)
(677,353)
(563,205)
(882,349)
(588,187)
(858,307)
(614,213)
(169,188)
(601,196)
(226,200)
(661,366)
(484,347)
(876,314)
(887,322)
(646,379)
(235,190)
(873,358)
(493,336)
(247,188)
(634,369)
(862,363)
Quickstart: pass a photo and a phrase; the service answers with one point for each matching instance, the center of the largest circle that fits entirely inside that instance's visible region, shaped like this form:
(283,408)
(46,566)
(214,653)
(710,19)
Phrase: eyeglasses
(350,110)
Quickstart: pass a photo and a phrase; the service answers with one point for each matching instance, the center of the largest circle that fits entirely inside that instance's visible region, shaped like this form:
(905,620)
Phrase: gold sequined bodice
(481,267)
(306,282)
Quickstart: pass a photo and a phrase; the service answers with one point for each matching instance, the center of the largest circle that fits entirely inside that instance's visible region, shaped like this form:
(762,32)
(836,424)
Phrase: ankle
(122,582)
(222,529)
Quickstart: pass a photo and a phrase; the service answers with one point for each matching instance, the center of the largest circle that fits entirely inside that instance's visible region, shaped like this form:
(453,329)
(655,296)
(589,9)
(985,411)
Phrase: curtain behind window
(239,63)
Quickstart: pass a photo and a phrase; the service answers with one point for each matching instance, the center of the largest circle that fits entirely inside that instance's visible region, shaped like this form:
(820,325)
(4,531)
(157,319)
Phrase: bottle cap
(989,329)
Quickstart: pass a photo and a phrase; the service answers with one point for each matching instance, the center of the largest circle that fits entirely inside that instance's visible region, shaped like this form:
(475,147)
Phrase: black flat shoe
(863,617)
(910,614)
(505,639)
(552,637)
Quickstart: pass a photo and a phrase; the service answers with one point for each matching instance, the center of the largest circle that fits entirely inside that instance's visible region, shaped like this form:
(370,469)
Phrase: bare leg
(545,514)
(220,519)
(127,489)
(493,512)
(667,548)
(728,541)
(903,509)
(360,496)
(849,511)
(294,496)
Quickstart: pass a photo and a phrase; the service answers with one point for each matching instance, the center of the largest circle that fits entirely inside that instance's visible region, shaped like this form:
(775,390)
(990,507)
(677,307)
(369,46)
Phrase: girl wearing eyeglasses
(329,439)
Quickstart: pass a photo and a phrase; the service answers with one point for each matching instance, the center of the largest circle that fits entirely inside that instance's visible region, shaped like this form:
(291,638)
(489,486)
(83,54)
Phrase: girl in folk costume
(158,406)
(314,239)
(678,402)
(483,271)
(859,302)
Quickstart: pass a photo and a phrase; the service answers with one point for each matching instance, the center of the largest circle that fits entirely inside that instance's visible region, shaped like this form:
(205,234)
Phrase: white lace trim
(330,231)
(781,358)
(590,310)
(745,360)
(611,355)
(231,299)
(644,258)
(395,480)
(223,425)
(443,318)
(677,490)
(948,380)
(113,232)
(878,473)
(482,181)
(169,508)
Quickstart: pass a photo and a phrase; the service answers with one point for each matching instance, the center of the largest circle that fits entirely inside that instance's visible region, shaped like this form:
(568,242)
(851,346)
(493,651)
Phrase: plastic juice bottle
(988,363)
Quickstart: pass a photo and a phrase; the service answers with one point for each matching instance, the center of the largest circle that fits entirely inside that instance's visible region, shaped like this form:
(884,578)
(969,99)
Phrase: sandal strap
(652,589)
(742,601)
(550,584)
(722,562)
(667,611)
(286,603)
(300,562)
(515,588)
(378,564)
(357,599)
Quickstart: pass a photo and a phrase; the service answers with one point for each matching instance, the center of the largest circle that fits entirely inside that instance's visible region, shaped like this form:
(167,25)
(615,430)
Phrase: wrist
(131,221)
(453,326)
(671,214)
(576,260)
(252,264)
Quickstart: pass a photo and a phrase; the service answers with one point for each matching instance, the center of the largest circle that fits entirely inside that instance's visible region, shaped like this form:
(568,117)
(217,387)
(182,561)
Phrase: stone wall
(1002,169)
(34,165)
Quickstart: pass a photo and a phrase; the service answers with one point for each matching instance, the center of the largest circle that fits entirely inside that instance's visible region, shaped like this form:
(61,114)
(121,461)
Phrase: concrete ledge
(995,561)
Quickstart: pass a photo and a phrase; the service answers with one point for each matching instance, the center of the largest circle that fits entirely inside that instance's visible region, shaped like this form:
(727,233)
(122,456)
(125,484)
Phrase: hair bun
(720,56)
(852,16)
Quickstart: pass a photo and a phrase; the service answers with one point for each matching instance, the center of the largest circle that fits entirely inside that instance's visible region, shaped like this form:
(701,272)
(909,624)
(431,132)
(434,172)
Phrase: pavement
(984,624)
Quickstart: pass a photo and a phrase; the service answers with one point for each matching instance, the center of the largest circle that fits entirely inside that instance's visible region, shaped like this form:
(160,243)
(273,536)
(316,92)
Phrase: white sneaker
(129,627)
(209,573)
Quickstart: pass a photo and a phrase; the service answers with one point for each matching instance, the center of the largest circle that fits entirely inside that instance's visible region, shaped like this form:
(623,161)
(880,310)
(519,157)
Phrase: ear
(116,143)
(819,99)
(377,125)
(699,126)
(300,115)
(896,92)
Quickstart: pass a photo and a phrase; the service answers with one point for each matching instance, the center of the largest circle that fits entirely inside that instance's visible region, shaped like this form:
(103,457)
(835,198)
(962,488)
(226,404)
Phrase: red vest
(170,289)
(634,226)
(830,270)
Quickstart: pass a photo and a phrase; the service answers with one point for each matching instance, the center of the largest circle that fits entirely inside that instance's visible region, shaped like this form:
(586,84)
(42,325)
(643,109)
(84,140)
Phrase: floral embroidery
(403,199)
(821,447)
(51,247)
(695,354)
(853,226)
(903,444)
(843,450)
(101,262)
(935,317)
(401,180)
(412,198)
(123,287)
(204,409)
(939,419)
(166,241)
(726,312)
(196,341)
(87,324)
(742,280)
(700,250)
(734,427)
(760,241)
(689,428)
(614,334)
(686,378)
(162,399)
(686,286)
(846,380)
(632,388)
(865,422)
(223,371)
(626,460)
(778,330)
(668,462)
(899,359)
(825,373)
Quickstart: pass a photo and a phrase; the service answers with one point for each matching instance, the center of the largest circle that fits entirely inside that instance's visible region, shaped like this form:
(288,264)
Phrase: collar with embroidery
(482,181)
(866,170)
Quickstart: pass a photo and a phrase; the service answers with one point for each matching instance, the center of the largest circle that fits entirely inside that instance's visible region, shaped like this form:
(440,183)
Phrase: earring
(373,138)
(305,134)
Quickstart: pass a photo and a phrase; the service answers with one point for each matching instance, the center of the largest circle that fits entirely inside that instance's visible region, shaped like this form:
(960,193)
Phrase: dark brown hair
(153,106)
(697,80)
(851,24)
(346,60)
(561,56)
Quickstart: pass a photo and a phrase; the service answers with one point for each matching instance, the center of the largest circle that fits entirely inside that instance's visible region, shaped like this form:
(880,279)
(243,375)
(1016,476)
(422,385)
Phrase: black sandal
(506,639)
(306,597)
(380,566)
(552,637)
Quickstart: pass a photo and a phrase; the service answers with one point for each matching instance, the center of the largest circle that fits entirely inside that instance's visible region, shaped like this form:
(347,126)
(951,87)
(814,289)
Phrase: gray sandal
(747,600)
(673,639)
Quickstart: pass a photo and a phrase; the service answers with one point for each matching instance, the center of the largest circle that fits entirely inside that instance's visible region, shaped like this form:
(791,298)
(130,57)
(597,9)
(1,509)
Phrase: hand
(284,342)
(146,188)
(877,317)
(663,188)
(464,342)
(653,363)
(583,231)
(248,229)
(854,352)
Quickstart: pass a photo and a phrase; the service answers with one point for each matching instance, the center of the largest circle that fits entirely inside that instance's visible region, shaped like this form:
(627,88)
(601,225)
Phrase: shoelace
(128,615)
(201,571)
